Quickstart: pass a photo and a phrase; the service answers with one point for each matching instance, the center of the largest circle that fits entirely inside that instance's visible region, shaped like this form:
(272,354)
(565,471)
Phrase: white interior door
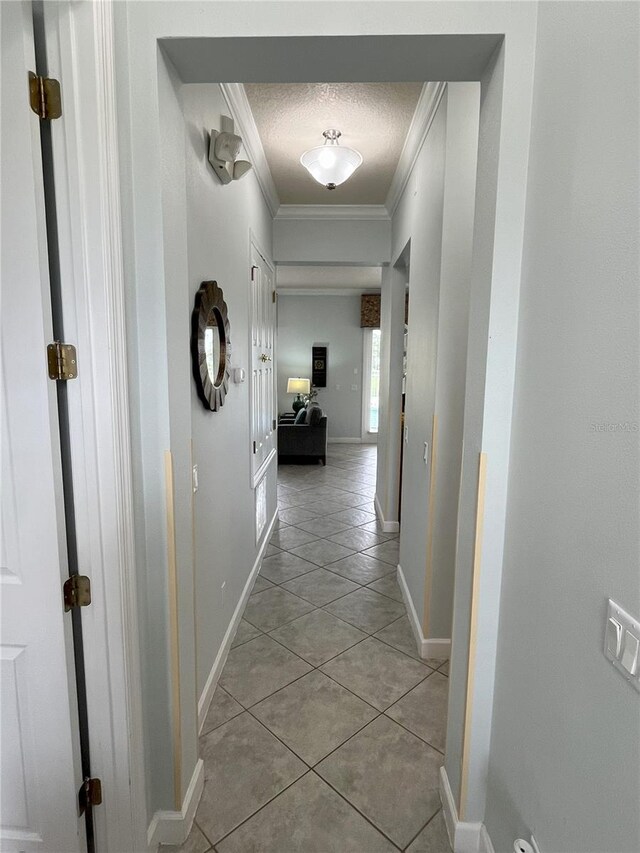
(263,397)
(40,766)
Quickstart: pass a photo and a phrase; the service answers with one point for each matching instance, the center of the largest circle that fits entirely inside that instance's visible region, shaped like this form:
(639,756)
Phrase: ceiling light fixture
(331,164)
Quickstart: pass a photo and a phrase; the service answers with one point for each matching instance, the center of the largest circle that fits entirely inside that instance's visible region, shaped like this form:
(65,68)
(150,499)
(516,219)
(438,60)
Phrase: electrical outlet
(354,387)
(194,478)
(425,455)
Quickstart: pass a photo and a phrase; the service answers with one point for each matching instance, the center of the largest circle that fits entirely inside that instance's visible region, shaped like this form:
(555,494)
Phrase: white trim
(223,651)
(427,648)
(387,526)
(173,827)
(333,211)
(80,44)
(262,470)
(255,248)
(424,114)
(236,98)
(464,836)
(485,845)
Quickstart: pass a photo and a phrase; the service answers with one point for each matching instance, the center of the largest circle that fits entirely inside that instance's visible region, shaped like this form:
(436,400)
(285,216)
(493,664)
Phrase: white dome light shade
(331,164)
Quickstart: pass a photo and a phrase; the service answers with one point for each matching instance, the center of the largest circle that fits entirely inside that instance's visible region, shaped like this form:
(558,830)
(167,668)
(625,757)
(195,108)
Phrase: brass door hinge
(62,361)
(76,592)
(90,794)
(44,96)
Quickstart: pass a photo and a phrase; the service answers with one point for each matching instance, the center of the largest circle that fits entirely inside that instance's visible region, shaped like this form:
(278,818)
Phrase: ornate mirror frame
(210,341)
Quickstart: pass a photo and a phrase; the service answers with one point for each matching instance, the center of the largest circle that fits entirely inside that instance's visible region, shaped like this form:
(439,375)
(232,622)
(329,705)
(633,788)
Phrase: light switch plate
(621,641)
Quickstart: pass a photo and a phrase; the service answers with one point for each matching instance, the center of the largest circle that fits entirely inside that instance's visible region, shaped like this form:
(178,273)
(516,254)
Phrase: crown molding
(426,107)
(236,98)
(333,211)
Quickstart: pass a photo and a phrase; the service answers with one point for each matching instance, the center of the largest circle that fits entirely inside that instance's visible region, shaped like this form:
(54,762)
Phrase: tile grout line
(315,608)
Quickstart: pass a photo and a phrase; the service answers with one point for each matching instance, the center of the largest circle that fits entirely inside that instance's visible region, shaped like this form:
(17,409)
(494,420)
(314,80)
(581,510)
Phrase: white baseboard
(486,845)
(168,827)
(387,526)
(427,648)
(223,651)
(465,837)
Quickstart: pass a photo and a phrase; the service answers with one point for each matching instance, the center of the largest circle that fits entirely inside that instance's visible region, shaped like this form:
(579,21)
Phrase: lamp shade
(296,385)
(331,164)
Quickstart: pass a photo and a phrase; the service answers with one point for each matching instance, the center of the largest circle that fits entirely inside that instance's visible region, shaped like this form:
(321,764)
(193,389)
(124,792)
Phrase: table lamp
(298,386)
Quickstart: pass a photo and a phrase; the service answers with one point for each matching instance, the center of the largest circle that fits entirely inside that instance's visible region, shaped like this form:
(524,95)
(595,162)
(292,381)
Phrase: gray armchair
(303,439)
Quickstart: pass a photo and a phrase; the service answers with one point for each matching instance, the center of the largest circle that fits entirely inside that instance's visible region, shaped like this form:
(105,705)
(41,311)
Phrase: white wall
(332,241)
(392,327)
(335,321)
(505,128)
(565,750)
(436,215)
(418,219)
(182,227)
(219,220)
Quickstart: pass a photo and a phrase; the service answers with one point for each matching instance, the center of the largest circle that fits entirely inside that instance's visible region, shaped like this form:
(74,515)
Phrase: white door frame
(79,38)
(367,436)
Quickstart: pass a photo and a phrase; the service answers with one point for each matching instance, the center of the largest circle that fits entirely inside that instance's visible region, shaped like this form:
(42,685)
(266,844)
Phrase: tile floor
(326,731)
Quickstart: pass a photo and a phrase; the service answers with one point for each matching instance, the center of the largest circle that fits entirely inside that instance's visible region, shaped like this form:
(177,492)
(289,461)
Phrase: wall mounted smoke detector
(224,147)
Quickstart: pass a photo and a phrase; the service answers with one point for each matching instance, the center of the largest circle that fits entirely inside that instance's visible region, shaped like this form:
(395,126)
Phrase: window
(371,383)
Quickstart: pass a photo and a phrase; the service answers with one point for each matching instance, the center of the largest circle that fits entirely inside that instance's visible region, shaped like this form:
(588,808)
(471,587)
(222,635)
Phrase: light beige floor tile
(361,569)
(399,635)
(261,583)
(366,609)
(323,527)
(258,668)
(274,607)
(223,707)
(388,585)
(377,673)
(388,551)
(244,767)
(320,587)
(353,516)
(424,710)
(318,636)
(284,566)
(245,633)
(313,715)
(357,539)
(433,838)
(307,818)
(399,800)
(322,552)
(292,537)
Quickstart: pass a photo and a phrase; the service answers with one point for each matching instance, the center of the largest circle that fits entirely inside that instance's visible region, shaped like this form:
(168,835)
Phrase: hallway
(326,732)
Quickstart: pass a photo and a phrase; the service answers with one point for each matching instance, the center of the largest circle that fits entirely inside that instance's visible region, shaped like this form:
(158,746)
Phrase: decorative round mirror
(210,345)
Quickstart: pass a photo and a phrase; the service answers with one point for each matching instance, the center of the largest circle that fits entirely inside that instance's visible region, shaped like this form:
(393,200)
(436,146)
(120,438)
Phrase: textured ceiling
(373,118)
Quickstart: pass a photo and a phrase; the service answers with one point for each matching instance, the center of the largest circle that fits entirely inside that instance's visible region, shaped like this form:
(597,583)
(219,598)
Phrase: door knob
(264,357)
